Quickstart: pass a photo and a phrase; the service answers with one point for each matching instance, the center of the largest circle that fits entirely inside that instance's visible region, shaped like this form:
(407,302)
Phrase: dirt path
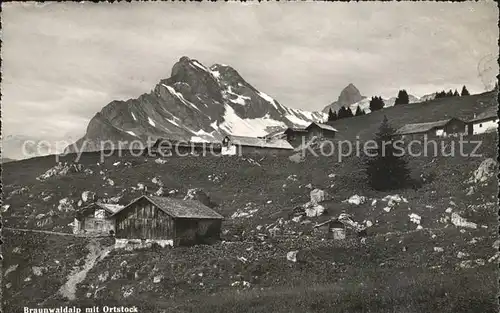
(38,231)
(96,253)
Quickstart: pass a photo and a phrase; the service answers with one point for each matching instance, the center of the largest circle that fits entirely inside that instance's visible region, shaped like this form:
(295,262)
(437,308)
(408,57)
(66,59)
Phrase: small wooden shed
(183,222)
(332,228)
(96,218)
(320,130)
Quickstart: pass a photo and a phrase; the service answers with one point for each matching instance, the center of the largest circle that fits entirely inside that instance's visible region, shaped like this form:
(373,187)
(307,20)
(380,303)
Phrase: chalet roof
(489,113)
(180,208)
(420,127)
(181,142)
(261,143)
(108,207)
(329,221)
(322,126)
(296,129)
(274,133)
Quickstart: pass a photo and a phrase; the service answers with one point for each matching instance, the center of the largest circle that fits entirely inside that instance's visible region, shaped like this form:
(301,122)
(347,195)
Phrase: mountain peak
(349,95)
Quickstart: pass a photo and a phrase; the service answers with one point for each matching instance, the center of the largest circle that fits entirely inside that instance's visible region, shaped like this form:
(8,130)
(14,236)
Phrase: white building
(487,121)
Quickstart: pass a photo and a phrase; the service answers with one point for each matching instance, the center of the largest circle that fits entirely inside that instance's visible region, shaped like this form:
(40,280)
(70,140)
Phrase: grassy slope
(377,277)
(399,115)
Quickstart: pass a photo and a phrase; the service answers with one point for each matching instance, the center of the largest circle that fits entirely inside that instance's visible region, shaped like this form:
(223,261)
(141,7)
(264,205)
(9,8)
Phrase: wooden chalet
(442,128)
(96,219)
(183,222)
(241,145)
(486,121)
(320,130)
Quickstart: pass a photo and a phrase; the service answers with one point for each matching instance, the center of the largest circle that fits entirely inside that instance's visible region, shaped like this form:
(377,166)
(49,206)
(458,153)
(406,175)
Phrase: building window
(480,125)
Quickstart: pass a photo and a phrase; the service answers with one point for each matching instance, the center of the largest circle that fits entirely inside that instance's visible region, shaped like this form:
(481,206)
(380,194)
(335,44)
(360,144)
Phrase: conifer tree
(384,169)
(376,103)
(331,115)
(402,97)
(359,112)
(465,92)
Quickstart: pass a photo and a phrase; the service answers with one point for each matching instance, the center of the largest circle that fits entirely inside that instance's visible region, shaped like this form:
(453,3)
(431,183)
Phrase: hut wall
(263,151)
(196,231)
(143,220)
(455,127)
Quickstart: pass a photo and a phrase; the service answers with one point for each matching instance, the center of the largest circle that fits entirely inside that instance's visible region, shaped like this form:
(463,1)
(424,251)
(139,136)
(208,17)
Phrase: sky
(63,62)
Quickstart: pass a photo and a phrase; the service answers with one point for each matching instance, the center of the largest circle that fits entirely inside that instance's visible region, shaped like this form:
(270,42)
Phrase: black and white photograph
(284,157)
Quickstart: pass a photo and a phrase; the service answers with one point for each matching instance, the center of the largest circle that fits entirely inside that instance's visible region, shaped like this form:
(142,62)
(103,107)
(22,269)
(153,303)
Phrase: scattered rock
(309,186)
(387,209)
(10,269)
(315,210)
(292,177)
(449,210)
(462,255)
(414,218)
(103,276)
(5,207)
(438,249)
(356,200)
(496,244)
(65,205)
(157,279)
(374,202)
(199,195)
(110,182)
(459,221)
(317,195)
(157,181)
(159,192)
(160,161)
(485,171)
(88,196)
(292,256)
(60,169)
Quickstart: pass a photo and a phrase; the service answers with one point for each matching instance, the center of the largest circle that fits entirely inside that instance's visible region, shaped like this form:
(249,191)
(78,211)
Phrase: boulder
(199,195)
(485,171)
(315,210)
(88,196)
(292,256)
(318,195)
(65,205)
(356,200)
(459,221)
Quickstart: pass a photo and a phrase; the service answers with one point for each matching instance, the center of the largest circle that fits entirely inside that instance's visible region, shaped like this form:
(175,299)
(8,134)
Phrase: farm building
(278,134)
(239,145)
(442,128)
(295,134)
(179,147)
(180,222)
(320,130)
(96,218)
(486,121)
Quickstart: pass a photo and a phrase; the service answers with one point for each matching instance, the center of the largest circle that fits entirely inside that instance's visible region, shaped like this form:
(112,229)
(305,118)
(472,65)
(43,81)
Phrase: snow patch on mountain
(197,64)
(133,116)
(131,133)
(235,125)
(151,122)
(268,99)
(239,98)
(180,97)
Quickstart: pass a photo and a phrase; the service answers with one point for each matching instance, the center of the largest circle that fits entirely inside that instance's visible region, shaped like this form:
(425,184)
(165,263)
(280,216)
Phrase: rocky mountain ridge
(197,103)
